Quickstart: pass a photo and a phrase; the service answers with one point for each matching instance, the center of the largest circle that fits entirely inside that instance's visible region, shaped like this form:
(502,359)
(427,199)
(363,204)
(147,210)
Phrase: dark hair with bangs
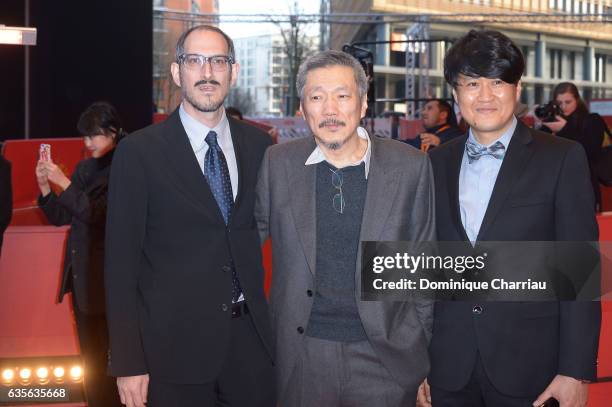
(484,53)
(100,118)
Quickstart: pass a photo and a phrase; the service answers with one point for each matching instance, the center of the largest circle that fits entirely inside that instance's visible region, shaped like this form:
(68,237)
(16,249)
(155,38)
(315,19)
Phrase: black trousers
(246,378)
(479,392)
(100,389)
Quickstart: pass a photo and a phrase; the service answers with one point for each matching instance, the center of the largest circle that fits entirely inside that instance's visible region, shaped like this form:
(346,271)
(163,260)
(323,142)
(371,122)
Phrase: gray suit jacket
(399,206)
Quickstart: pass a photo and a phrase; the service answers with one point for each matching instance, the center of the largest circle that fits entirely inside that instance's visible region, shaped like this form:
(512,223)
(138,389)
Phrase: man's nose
(207,69)
(330,107)
(485,92)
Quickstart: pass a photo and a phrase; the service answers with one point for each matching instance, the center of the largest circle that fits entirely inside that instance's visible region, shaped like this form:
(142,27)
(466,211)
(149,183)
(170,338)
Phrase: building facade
(575,44)
(263,83)
(170,19)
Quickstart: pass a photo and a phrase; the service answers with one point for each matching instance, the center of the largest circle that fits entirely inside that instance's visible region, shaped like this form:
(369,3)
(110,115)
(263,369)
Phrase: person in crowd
(575,123)
(318,197)
(440,124)
(187,313)
(506,182)
(6,197)
(233,113)
(237,114)
(81,203)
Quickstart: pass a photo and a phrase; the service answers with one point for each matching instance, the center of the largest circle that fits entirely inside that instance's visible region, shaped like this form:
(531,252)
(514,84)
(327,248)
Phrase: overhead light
(17,35)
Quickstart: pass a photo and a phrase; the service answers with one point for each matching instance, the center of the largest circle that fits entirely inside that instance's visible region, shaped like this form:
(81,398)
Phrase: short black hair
(484,53)
(99,118)
(444,106)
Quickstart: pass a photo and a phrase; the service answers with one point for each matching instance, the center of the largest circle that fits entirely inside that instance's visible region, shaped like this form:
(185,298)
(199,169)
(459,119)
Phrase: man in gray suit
(318,198)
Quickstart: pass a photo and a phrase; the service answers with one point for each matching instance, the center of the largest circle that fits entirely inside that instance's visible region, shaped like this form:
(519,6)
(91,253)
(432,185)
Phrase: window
(600,67)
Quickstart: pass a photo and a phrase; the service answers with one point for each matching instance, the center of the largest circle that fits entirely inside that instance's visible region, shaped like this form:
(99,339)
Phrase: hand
(55,175)
(42,178)
(567,390)
(556,126)
(274,133)
(133,390)
(430,139)
(423,395)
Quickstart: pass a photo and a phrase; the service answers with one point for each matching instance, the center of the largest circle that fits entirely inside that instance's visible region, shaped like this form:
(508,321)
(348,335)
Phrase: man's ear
(364,105)
(519,88)
(176,74)
(235,70)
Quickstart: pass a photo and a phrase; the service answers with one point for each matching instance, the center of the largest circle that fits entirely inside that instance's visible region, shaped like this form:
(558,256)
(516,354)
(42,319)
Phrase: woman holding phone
(82,205)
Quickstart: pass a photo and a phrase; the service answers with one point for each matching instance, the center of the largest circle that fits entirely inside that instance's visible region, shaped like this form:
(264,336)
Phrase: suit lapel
(515,161)
(241,159)
(183,162)
(453,171)
(302,188)
(382,187)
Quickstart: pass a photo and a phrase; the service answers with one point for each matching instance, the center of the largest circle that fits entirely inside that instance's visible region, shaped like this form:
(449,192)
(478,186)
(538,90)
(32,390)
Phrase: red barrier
(23,155)
(33,324)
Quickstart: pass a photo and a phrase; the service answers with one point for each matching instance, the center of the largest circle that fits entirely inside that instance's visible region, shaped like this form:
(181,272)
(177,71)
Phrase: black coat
(83,206)
(6,196)
(168,280)
(588,130)
(542,193)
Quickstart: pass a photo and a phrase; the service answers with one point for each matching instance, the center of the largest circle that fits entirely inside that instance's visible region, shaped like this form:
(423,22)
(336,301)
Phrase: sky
(238,30)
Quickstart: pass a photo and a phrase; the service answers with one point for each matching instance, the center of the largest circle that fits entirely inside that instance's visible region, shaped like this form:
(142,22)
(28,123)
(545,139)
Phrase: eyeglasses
(218,63)
(338,200)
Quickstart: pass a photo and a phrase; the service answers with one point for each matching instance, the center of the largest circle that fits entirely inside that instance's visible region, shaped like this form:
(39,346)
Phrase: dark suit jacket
(83,206)
(6,196)
(168,282)
(542,193)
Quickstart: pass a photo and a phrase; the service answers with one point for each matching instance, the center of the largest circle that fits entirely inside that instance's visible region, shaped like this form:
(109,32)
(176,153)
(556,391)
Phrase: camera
(548,112)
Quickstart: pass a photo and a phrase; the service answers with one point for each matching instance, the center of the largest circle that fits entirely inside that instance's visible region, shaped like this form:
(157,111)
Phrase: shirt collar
(504,138)
(318,155)
(196,131)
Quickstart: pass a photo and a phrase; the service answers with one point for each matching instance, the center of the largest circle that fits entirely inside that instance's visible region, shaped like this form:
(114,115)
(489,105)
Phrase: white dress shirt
(318,156)
(196,131)
(476,183)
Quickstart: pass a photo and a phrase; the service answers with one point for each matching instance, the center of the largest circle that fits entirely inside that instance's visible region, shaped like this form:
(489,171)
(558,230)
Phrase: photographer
(576,123)
(440,125)
(82,205)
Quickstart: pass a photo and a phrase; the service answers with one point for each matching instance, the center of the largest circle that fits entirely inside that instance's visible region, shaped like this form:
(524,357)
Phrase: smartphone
(44,152)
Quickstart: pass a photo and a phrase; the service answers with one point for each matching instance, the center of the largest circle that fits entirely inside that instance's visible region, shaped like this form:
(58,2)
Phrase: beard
(208,104)
(332,145)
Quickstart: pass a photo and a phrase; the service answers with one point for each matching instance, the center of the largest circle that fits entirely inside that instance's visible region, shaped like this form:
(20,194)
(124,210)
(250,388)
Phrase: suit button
(309,293)
(226,269)
(224,307)
(300,330)
(477,310)
(73,251)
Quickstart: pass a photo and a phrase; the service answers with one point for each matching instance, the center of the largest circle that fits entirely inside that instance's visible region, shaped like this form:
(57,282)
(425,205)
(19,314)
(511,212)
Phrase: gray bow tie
(475,151)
